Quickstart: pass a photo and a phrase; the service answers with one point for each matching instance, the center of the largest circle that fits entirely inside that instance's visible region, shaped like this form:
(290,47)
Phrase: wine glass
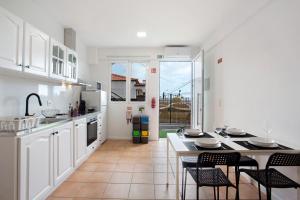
(267,128)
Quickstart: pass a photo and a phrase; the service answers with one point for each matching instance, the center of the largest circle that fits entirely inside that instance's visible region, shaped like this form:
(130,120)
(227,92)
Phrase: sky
(175,76)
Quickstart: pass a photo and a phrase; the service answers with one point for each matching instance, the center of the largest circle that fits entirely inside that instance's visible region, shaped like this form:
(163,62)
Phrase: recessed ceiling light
(141,34)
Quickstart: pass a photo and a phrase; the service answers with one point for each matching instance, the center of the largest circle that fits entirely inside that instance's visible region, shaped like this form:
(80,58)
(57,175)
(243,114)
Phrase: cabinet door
(72,65)
(11,40)
(36,165)
(104,123)
(58,53)
(80,137)
(36,51)
(63,152)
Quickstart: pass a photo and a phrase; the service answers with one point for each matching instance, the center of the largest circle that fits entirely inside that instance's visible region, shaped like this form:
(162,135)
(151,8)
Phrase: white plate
(262,142)
(208,143)
(235,131)
(274,145)
(193,132)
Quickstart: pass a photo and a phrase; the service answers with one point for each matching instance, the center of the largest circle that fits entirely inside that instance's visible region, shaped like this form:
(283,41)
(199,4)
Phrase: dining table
(185,146)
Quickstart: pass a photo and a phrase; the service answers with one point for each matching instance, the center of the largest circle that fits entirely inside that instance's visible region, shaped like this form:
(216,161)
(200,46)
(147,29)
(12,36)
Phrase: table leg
(177,177)
(167,161)
(298,189)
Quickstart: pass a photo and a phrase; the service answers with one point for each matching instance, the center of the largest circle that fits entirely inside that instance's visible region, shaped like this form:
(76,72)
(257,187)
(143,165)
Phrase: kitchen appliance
(95,99)
(91,129)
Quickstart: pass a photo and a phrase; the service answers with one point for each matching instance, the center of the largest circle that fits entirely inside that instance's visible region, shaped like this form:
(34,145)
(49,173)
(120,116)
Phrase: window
(138,82)
(135,81)
(118,81)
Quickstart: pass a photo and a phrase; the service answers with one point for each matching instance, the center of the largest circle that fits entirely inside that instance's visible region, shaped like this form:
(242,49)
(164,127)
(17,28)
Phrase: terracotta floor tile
(107,167)
(83,176)
(117,191)
(59,198)
(165,192)
(141,191)
(124,167)
(67,189)
(161,178)
(92,190)
(121,177)
(142,178)
(143,168)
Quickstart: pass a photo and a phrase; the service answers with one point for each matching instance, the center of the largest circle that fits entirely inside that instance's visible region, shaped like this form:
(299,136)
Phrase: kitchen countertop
(41,127)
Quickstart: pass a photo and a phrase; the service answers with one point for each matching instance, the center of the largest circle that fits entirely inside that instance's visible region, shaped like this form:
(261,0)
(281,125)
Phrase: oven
(91,130)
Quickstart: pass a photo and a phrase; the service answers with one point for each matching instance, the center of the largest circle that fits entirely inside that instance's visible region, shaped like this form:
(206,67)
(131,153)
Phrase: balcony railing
(175,110)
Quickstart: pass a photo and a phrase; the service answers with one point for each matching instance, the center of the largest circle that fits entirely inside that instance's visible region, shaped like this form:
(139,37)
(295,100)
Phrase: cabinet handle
(76,124)
(20,65)
(27,66)
(55,133)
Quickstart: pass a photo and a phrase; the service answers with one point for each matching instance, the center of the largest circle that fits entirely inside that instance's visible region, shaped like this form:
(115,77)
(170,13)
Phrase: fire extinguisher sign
(153,70)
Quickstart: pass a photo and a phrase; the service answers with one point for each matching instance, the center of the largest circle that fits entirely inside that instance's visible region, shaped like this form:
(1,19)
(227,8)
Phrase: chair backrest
(211,159)
(284,159)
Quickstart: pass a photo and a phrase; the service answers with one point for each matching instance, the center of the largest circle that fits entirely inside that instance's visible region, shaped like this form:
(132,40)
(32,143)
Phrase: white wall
(258,80)
(117,125)
(14,89)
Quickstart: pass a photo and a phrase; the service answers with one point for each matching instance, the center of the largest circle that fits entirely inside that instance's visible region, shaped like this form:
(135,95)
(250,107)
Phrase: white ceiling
(111,23)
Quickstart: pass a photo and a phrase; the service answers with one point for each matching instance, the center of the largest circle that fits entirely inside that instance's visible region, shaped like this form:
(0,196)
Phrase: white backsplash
(13,93)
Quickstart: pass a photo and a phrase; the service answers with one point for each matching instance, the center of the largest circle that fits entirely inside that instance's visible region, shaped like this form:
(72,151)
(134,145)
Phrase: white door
(36,165)
(36,51)
(80,140)
(197,116)
(63,152)
(11,40)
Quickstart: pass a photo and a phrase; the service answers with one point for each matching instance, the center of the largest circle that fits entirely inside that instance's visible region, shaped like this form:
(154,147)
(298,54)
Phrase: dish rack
(10,124)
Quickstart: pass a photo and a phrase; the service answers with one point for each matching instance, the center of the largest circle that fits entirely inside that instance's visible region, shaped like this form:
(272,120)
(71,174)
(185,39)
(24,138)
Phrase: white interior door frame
(198,91)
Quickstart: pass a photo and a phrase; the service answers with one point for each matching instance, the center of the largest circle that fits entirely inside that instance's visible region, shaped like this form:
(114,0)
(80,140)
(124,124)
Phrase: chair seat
(210,177)
(247,161)
(189,161)
(276,179)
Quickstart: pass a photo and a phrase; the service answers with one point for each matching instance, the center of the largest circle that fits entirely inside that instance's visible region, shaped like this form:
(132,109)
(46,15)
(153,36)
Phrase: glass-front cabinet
(72,66)
(58,60)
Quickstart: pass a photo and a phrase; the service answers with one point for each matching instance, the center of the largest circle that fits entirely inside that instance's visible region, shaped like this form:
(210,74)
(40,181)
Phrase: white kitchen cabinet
(36,165)
(80,141)
(72,66)
(102,120)
(11,40)
(36,51)
(63,152)
(58,54)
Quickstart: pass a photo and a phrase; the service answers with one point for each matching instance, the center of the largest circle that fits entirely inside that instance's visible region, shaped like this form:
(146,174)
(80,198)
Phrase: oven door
(91,132)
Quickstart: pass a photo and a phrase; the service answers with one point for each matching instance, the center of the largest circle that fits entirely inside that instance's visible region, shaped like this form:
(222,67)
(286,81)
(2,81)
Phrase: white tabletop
(180,148)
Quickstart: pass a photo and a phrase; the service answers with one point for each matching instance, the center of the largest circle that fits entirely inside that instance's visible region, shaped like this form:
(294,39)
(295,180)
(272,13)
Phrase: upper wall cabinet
(11,40)
(36,51)
(72,66)
(58,54)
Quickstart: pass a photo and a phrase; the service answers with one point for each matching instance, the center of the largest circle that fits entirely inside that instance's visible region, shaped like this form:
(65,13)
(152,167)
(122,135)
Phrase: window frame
(128,64)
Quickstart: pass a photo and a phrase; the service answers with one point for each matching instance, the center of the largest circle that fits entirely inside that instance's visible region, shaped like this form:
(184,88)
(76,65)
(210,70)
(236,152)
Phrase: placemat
(236,136)
(249,146)
(192,147)
(205,135)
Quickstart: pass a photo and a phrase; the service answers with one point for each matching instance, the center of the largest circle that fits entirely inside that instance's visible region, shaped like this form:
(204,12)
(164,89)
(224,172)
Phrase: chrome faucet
(27,101)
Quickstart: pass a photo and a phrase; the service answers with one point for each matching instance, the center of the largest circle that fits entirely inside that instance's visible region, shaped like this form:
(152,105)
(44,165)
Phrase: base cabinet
(80,141)
(63,152)
(36,165)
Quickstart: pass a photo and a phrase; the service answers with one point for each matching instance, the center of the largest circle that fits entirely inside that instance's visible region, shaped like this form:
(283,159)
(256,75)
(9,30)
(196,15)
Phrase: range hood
(88,85)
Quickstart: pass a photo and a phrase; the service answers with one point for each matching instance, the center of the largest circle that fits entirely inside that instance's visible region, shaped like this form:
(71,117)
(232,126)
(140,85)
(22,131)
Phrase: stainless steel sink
(50,120)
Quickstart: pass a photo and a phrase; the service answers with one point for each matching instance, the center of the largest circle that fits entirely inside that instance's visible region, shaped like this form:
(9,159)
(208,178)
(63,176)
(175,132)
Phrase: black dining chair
(191,162)
(207,174)
(272,178)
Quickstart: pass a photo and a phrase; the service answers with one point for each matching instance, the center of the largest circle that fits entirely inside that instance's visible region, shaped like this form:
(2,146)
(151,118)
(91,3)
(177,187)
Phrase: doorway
(175,102)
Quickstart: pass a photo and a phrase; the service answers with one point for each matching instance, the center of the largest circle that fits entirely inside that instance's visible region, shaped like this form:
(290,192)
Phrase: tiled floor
(122,170)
